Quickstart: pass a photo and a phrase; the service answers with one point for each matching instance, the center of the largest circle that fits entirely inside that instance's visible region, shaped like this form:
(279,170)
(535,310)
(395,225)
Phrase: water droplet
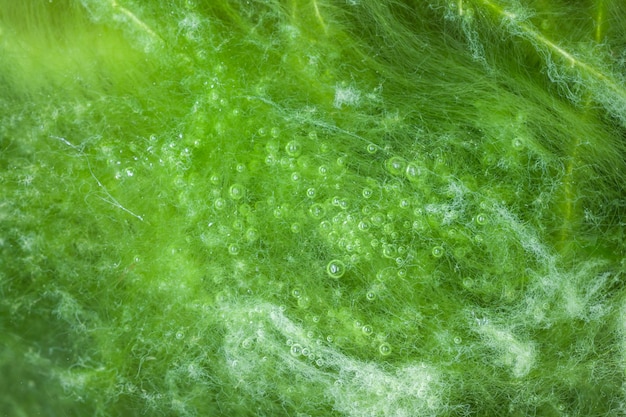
(481,219)
(323,170)
(180,335)
(371,148)
(296,228)
(367,192)
(295,176)
(252,234)
(367,330)
(370,296)
(311,192)
(335,268)
(457,340)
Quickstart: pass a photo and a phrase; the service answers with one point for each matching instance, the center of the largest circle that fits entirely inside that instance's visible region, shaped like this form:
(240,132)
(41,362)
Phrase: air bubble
(233,249)
(220,204)
(311,193)
(396,165)
(275,132)
(363,226)
(296,292)
(518,143)
(180,335)
(457,340)
(237,191)
(306,352)
(296,228)
(370,296)
(293,148)
(296,350)
(252,234)
(412,172)
(323,170)
(246,344)
(437,251)
(335,268)
(367,330)
(317,210)
(295,176)
(385,349)
(367,192)
(371,148)
(481,219)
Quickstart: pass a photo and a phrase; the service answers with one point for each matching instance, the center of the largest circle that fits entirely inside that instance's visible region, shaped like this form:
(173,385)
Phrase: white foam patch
(267,352)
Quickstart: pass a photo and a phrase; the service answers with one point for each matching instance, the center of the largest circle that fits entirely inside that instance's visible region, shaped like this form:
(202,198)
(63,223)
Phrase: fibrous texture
(312,208)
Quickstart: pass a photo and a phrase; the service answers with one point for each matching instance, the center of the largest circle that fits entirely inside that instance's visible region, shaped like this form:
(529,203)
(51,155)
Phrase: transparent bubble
(457,340)
(367,192)
(367,330)
(412,172)
(252,234)
(233,249)
(275,132)
(306,351)
(481,219)
(293,148)
(295,176)
(219,204)
(385,349)
(437,251)
(180,335)
(296,350)
(371,148)
(317,210)
(370,296)
(237,191)
(323,170)
(296,292)
(396,165)
(296,228)
(363,225)
(311,192)
(335,268)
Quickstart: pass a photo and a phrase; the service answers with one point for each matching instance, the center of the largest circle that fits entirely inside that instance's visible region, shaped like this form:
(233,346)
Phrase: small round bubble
(335,268)
(367,330)
(367,192)
(296,350)
(317,211)
(370,296)
(219,204)
(385,349)
(481,219)
(236,191)
(293,148)
(310,193)
(437,251)
(233,249)
(396,165)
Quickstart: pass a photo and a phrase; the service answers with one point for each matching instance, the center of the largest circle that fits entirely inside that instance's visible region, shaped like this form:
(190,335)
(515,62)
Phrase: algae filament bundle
(312,208)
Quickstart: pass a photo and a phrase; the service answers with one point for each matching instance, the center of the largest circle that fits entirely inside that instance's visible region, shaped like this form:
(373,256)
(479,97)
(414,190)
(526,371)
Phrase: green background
(312,208)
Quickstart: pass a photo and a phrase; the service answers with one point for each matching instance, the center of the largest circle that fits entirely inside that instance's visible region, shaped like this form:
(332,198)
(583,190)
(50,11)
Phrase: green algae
(357,208)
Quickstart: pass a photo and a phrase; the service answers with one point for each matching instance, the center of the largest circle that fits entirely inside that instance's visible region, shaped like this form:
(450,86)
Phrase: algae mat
(312,208)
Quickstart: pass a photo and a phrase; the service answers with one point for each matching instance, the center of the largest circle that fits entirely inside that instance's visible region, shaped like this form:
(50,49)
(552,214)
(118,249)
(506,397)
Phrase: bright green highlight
(312,208)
